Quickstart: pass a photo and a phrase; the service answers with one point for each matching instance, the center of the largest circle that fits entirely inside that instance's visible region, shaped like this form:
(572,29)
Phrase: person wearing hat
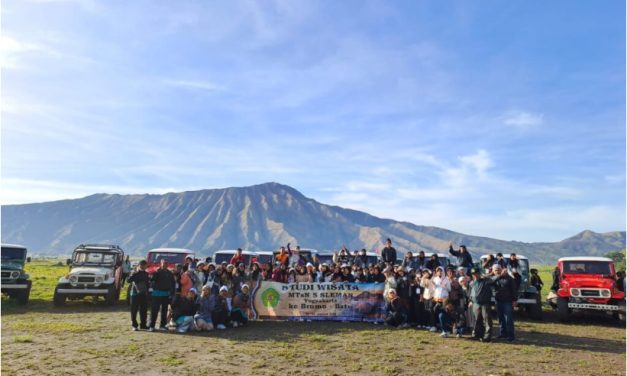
(480,299)
(184,309)
(221,310)
(163,288)
(312,275)
(239,313)
(139,279)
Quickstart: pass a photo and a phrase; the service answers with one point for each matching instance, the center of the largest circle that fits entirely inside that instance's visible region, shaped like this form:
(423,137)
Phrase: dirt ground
(84,338)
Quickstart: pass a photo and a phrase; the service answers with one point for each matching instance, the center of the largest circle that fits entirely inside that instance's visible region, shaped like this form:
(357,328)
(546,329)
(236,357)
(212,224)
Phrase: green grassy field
(84,338)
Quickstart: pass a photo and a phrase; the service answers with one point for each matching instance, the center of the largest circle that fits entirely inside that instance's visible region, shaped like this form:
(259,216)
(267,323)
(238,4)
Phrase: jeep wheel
(535,310)
(562,309)
(620,314)
(111,296)
(23,295)
(59,299)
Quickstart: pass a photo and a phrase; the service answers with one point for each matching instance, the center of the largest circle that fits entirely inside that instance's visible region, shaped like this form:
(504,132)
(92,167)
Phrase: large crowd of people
(455,301)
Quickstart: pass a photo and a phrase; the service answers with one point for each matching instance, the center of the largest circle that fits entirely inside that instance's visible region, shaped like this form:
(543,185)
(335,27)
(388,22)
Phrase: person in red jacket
(238,258)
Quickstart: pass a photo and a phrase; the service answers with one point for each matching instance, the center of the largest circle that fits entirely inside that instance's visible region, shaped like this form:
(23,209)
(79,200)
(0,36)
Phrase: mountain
(260,217)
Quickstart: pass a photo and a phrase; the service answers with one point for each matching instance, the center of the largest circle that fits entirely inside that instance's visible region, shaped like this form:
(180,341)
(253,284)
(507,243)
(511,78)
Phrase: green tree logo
(270,297)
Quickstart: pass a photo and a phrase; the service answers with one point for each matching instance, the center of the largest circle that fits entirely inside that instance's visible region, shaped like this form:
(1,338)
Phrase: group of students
(189,298)
(203,296)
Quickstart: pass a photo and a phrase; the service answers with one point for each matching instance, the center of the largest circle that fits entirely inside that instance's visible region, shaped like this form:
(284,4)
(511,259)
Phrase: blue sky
(499,119)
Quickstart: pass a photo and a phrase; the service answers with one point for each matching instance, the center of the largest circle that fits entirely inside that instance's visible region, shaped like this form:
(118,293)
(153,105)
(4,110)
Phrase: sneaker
(376,323)
(459,335)
(433,329)
(151,329)
(165,328)
(134,328)
(404,326)
(221,327)
(419,327)
(235,324)
(511,340)
(444,335)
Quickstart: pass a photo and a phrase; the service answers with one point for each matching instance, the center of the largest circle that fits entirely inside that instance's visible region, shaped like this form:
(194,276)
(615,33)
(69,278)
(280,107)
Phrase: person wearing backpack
(139,295)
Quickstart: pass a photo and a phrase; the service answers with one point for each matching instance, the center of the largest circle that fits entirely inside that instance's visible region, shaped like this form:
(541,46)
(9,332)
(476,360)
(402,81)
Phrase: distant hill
(256,218)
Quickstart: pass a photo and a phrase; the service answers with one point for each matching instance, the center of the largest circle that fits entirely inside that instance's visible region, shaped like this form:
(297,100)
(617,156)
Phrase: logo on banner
(270,297)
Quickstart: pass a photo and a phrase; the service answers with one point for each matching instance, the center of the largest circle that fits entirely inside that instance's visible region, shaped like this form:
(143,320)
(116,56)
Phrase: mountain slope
(257,218)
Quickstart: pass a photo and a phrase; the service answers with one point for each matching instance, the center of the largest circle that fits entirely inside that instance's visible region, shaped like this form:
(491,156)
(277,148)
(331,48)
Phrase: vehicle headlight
(606,293)
(73,279)
(574,292)
(15,274)
(98,279)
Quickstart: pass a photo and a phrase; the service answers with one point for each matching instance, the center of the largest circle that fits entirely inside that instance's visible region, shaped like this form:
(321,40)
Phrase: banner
(319,301)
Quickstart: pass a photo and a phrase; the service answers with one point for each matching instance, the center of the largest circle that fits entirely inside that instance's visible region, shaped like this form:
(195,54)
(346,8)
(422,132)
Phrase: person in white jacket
(441,287)
(390,282)
(427,298)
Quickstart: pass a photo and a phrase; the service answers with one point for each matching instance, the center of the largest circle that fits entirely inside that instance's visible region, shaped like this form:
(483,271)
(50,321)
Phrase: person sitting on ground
(396,312)
(203,317)
(221,311)
(184,309)
(239,313)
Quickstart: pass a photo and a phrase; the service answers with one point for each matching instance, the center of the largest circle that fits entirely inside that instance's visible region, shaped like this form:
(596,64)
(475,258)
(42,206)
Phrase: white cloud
(523,119)
(202,85)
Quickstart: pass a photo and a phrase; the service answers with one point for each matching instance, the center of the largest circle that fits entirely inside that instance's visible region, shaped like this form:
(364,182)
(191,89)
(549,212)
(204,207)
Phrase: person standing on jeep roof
(464,258)
(139,295)
(237,258)
(163,287)
(126,269)
(388,254)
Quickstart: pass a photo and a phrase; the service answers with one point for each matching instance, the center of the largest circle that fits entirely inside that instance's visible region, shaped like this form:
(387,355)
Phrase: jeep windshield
(173,258)
(587,267)
(13,258)
(94,258)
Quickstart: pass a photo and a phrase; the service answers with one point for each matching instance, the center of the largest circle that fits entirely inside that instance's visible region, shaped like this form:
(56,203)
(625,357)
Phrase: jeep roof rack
(102,247)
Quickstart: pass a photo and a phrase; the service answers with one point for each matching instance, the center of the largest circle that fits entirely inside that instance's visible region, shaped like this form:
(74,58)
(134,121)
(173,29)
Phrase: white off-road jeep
(95,270)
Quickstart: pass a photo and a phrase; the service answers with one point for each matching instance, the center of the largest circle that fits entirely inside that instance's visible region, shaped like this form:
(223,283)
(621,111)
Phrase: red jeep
(588,283)
(174,256)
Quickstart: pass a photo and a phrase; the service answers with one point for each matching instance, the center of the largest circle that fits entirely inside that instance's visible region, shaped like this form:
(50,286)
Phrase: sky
(491,118)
